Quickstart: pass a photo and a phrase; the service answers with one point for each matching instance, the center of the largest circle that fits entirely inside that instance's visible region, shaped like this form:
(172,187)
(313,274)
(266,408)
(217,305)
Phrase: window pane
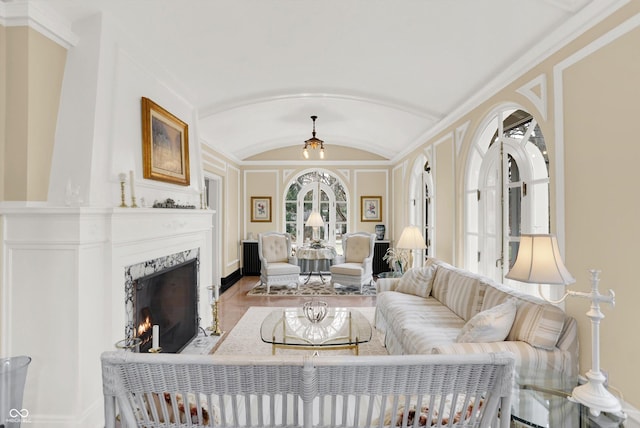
(515,211)
(341,212)
(292,213)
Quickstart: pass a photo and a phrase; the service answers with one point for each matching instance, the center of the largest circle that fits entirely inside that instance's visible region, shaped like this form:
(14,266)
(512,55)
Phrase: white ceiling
(380,75)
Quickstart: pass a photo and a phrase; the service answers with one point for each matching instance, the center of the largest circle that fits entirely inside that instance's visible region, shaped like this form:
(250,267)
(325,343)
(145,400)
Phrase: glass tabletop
(340,327)
(390,274)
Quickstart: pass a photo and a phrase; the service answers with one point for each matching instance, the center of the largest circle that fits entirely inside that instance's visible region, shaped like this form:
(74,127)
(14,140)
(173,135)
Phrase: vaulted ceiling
(381,75)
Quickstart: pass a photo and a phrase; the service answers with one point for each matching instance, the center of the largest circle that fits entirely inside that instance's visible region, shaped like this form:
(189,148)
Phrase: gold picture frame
(261,209)
(371,208)
(165,145)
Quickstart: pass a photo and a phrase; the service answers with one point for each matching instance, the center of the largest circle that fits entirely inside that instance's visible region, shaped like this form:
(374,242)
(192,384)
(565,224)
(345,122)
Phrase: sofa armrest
(534,366)
(386,284)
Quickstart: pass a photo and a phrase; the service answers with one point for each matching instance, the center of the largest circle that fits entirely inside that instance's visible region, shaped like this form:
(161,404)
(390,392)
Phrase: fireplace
(164,292)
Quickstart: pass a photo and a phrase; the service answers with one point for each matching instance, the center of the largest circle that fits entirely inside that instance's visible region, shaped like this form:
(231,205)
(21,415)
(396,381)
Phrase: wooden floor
(234,302)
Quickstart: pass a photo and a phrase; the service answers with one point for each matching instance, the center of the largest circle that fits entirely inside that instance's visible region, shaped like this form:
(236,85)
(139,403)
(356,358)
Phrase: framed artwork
(370,208)
(165,145)
(261,208)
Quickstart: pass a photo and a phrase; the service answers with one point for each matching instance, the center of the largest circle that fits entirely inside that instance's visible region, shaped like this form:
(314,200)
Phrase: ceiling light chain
(313,142)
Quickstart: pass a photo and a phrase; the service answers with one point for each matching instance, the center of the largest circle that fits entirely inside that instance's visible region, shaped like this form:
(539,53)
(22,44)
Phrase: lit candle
(156,337)
(133,195)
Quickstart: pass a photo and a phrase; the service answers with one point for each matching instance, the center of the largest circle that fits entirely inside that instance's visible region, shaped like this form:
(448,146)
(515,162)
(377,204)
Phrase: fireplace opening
(168,299)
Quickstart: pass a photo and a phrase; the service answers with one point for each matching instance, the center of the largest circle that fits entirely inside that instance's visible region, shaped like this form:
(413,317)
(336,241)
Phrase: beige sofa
(428,311)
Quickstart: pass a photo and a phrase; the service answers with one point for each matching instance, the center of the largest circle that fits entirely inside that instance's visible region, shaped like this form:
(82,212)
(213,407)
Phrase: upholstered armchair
(278,266)
(356,268)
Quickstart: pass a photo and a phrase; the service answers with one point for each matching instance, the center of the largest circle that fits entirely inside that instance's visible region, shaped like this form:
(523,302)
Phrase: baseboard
(228,281)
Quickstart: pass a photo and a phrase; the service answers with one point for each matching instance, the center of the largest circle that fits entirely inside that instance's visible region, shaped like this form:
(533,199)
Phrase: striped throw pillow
(417,281)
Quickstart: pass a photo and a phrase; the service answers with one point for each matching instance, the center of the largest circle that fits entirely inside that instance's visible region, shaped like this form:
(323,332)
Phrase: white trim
(449,136)
(213,162)
(239,201)
(538,101)
(40,18)
(558,70)
(589,16)
(461,132)
(319,95)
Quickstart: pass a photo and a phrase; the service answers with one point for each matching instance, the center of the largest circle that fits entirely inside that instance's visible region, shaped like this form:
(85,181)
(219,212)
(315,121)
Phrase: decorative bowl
(315,311)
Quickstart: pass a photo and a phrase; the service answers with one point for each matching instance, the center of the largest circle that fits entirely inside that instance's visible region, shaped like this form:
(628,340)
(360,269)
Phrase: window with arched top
(506,190)
(316,191)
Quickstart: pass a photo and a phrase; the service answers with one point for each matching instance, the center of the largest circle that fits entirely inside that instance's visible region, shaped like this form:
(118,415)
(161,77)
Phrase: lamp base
(595,396)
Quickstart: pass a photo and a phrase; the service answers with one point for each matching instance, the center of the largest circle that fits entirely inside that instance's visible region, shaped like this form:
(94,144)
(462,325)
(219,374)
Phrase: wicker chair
(357,266)
(278,266)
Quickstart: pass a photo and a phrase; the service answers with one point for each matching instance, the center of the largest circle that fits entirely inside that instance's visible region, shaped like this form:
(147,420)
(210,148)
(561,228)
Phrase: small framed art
(165,145)
(371,208)
(261,208)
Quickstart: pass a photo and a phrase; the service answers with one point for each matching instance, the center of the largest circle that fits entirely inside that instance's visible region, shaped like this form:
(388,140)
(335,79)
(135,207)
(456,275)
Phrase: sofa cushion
(492,325)
(422,323)
(353,269)
(461,291)
(279,268)
(417,281)
(534,366)
(537,322)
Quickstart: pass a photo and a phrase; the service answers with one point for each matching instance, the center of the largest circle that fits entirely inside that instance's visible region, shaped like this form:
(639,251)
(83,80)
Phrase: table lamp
(539,261)
(411,239)
(315,221)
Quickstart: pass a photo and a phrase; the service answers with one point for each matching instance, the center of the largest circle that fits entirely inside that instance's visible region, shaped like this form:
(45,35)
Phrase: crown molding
(590,15)
(40,18)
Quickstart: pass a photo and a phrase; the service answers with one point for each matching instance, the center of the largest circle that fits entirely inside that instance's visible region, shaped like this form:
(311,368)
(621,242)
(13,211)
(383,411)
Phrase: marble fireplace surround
(150,267)
(63,294)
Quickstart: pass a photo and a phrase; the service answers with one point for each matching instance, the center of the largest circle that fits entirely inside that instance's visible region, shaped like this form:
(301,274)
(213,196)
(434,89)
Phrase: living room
(71,113)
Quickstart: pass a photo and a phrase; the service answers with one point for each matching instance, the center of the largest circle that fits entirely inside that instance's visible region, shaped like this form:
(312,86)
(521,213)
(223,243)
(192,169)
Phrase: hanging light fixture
(313,142)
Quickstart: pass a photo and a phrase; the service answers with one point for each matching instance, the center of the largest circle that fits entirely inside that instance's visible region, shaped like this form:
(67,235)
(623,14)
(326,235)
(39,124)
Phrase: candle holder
(123,180)
(215,313)
(155,350)
(215,321)
(133,202)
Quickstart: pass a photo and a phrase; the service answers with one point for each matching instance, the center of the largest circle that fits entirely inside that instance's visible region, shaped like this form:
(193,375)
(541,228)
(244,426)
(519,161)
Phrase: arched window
(506,191)
(323,192)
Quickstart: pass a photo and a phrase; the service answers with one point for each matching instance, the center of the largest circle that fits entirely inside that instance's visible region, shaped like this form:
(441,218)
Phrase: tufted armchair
(357,267)
(278,266)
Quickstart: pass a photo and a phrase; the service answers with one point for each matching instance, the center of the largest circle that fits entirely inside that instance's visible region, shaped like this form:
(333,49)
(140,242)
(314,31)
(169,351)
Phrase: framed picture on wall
(261,208)
(370,208)
(165,145)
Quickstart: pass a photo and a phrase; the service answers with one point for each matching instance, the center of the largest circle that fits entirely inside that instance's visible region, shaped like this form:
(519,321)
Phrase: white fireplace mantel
(62,293)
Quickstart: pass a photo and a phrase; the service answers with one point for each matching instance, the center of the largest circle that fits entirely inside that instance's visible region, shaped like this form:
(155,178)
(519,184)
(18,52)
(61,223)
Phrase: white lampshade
(315,220)
(411,239)
(539,261)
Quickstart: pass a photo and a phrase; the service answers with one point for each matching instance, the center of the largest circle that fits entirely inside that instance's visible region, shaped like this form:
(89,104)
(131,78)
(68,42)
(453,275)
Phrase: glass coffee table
(342,328)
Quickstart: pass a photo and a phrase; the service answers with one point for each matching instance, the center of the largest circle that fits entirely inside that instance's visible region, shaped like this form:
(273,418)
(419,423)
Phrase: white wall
(62,300)
(99,126)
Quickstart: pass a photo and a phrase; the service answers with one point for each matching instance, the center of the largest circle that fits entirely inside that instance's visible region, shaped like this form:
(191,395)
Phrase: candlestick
(156,337)
(123,179)
(215,314)
(132,185)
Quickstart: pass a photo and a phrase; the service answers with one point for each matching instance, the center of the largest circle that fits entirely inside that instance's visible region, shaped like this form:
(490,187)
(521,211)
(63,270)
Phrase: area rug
(315,287)
(245,339)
